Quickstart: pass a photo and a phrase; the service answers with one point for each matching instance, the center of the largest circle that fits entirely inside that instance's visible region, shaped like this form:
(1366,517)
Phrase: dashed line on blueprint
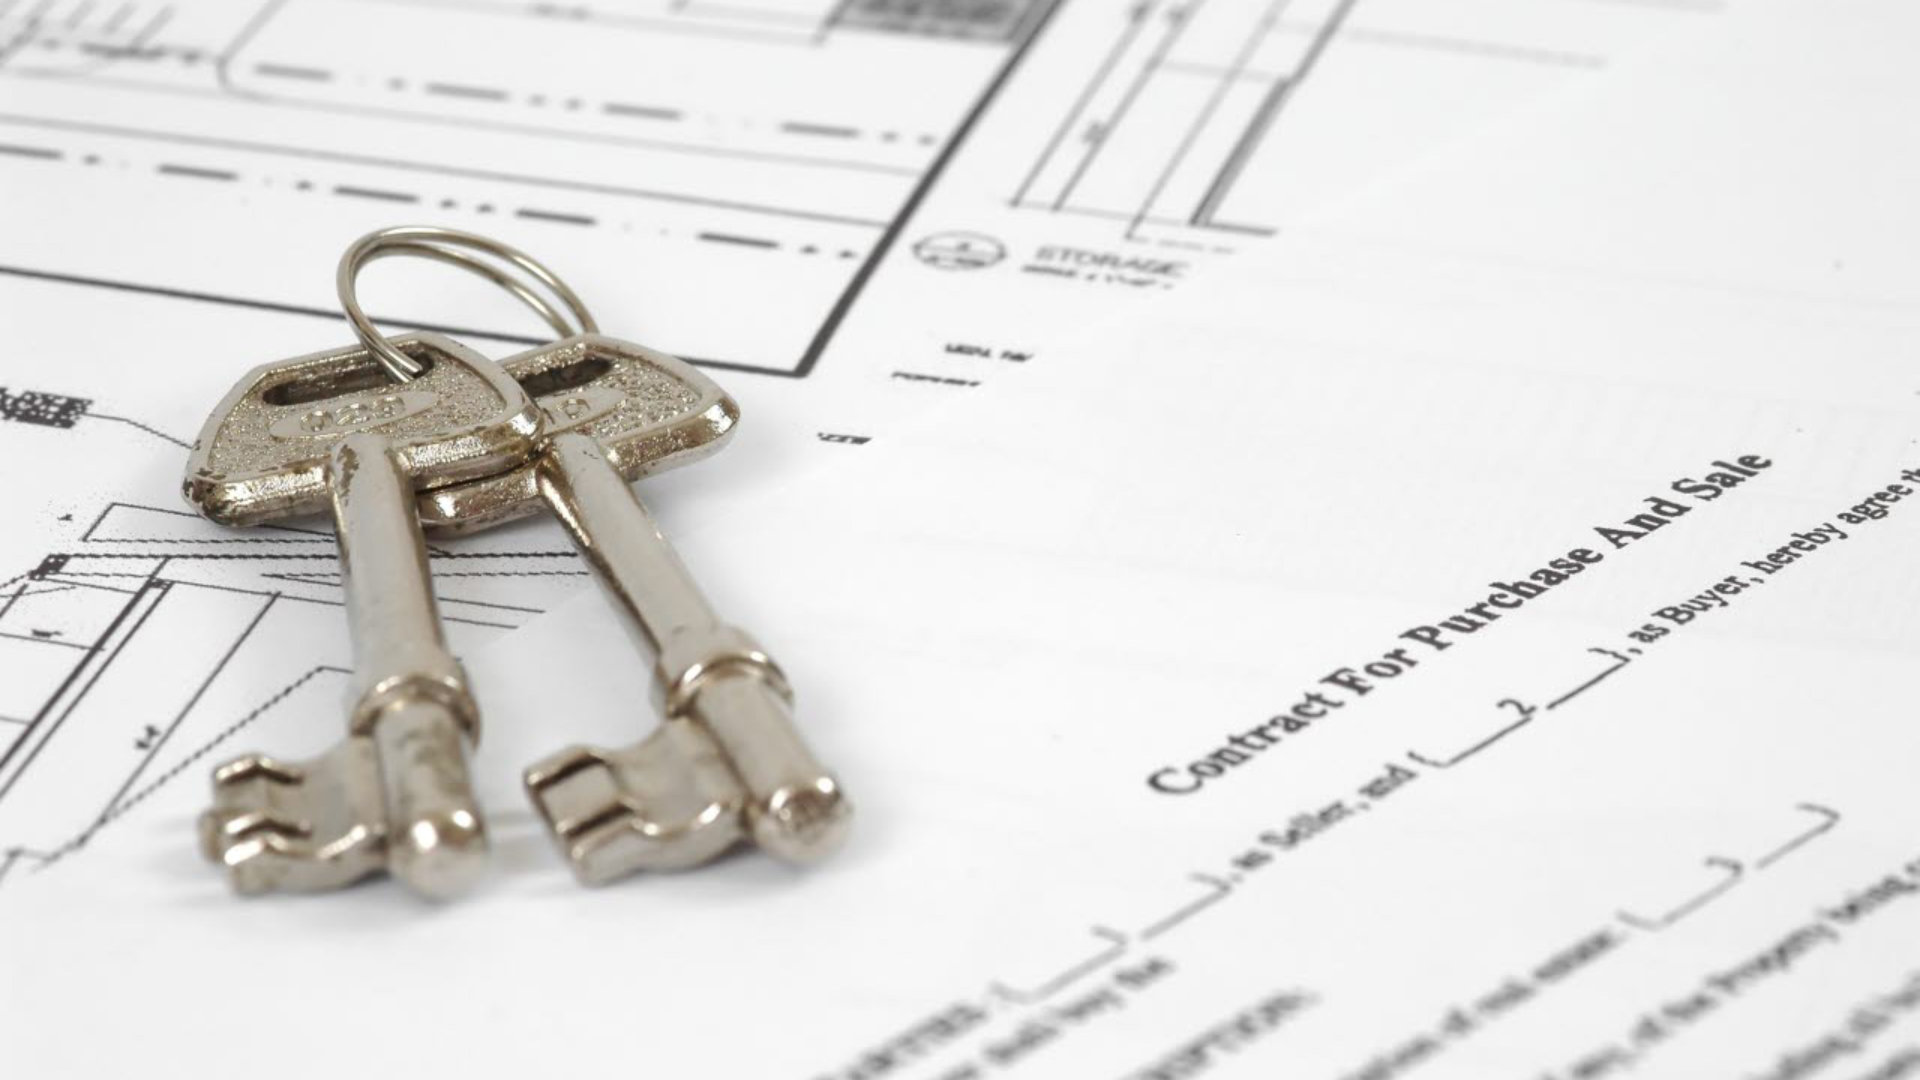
(546,215)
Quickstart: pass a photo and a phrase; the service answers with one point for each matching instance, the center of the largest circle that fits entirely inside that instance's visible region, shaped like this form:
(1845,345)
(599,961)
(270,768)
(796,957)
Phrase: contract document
(1231,701)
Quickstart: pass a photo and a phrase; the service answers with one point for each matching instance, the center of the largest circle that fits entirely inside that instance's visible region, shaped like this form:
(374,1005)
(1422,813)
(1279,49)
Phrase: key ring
(440,244)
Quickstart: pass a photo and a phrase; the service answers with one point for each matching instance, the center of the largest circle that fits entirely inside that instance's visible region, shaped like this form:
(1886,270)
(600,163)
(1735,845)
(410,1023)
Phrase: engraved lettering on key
(395,793)
(583,405)
(727,762)
(364,412)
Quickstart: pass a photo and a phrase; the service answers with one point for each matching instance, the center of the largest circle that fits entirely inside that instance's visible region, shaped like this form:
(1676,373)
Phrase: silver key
(331,432)
(728,762)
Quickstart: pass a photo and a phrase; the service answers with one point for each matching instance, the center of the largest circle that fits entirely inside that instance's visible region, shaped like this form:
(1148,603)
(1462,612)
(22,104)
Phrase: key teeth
(296,827)
(665,803)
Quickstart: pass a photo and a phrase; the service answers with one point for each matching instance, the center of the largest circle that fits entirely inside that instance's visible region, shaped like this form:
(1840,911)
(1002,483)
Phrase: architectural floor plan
(851,209)
(702,157)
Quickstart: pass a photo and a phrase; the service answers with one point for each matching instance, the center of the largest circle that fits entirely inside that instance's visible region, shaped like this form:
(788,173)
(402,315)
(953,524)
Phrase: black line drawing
(245,63)
(1170,116)
(153,638)
(149,429)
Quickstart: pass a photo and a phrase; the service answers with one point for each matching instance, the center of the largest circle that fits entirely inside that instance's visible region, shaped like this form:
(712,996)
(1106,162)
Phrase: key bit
(669,802)
(727,763)
(330,432)
(297,827)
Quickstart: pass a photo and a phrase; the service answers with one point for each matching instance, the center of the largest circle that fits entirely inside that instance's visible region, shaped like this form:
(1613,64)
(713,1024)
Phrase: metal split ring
(445,245)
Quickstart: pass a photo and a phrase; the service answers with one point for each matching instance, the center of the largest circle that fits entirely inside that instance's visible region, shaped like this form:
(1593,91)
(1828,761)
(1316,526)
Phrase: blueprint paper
(176,181)
(864,178)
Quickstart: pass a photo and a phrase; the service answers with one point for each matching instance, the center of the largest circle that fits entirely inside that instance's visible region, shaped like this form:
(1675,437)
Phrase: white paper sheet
(1692,860)
(1769,161)
(1656,817)
(1657,813)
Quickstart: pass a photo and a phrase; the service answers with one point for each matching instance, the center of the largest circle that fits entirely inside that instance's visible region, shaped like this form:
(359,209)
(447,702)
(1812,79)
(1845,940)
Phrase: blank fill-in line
(44,153)
(375,193)
(197,172)
(289,71)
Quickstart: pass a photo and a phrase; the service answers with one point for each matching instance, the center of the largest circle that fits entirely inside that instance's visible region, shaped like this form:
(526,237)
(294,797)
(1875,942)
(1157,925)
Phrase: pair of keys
(419,430)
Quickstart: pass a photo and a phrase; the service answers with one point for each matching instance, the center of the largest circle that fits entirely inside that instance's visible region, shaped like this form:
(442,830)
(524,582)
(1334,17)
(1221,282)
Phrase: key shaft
(409,692)
(331,433)
(399,650)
